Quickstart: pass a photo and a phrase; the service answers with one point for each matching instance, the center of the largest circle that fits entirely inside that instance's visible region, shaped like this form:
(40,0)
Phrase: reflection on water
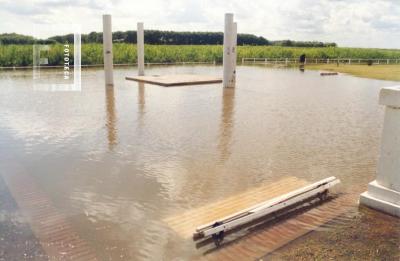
(111,117)
(141,97)
(227,122)
(117,161)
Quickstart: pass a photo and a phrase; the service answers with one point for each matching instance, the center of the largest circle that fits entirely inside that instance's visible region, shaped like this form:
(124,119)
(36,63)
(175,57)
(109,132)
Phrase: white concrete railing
(384,192)
(318,61)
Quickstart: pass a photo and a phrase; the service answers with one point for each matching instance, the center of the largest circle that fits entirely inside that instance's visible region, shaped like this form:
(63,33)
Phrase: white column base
(381,198)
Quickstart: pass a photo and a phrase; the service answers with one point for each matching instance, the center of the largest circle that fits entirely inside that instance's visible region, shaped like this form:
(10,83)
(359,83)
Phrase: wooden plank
(176,80)
(328,73)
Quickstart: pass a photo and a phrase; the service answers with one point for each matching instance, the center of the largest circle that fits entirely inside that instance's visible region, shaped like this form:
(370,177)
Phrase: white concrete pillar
(140,48)
(234,53)
(229,70)
(107,50)
(384,192)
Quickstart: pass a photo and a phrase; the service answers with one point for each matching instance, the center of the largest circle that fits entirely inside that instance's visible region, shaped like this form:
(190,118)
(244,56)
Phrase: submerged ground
(116,162)
(370,235)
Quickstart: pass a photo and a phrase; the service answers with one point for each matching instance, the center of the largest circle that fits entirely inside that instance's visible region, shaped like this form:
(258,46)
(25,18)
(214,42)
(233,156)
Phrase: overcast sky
(361,23)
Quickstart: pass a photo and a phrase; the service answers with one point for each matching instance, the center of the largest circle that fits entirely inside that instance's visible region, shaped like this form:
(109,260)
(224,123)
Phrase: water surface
(117,161)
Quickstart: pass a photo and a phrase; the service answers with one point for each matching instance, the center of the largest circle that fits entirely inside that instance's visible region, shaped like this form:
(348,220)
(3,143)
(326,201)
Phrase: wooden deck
(176,79)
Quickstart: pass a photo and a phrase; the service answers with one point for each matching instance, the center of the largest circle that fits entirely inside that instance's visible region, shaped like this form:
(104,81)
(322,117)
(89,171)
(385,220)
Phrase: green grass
(381,72)
(21,55)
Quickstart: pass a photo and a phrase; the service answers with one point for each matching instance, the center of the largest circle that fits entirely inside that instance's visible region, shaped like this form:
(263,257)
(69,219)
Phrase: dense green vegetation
(14,38)
(166,38)
(161,38)
(290,43)
(21,55)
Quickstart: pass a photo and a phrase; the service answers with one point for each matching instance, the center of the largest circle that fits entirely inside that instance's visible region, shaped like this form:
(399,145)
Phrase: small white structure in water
(384,192)
(107,50)
(140,48)
(229,56)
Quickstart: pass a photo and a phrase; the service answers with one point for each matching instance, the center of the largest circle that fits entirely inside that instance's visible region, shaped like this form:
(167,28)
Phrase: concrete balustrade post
(107,50)
(384,193)
(140,48)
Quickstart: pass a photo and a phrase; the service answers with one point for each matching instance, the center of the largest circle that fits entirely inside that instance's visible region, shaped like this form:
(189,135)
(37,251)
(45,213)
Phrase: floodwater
(117,161)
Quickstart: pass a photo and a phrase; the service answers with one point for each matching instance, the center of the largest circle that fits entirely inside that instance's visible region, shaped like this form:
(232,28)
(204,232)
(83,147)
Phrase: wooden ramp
(175,80)
(185,223)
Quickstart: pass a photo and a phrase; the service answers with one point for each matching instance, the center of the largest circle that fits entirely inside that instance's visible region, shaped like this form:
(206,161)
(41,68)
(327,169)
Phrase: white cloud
(364,23)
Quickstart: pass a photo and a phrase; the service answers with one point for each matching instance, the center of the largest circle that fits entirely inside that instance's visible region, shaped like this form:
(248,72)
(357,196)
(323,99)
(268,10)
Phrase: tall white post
(234,53)
(384,192)
(140,48)
(107,50)
(229,56)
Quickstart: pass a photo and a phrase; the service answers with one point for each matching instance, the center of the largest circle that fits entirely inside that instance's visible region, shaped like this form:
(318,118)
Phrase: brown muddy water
(116,162)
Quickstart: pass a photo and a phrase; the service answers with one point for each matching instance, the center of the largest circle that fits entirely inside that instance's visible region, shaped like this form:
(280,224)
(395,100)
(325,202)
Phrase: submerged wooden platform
(186,223)
(175,79)
(56,234)
(256,242)
(262,241)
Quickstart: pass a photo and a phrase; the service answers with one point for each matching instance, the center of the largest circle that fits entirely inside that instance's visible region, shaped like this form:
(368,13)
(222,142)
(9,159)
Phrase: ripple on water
(119,161)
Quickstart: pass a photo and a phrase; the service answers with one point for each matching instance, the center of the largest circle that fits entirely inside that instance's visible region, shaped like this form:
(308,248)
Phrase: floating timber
(328,73)
(175,80)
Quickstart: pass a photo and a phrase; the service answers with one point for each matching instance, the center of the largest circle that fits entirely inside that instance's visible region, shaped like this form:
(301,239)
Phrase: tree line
(157,37)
